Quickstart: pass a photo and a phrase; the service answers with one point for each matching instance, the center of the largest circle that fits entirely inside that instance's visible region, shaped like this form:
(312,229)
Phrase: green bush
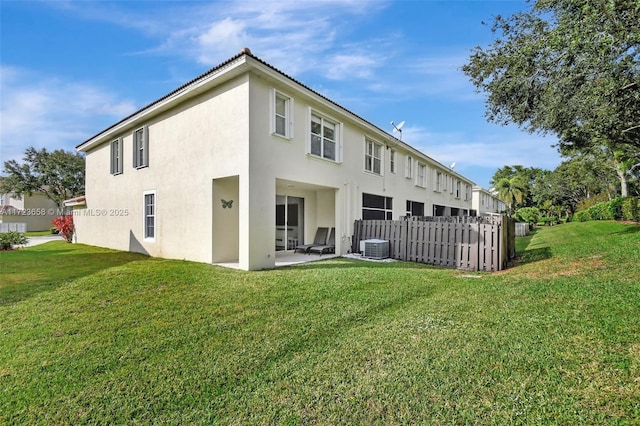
(630,209)
(530,215)
(627,208)
(10,239)
(592,201)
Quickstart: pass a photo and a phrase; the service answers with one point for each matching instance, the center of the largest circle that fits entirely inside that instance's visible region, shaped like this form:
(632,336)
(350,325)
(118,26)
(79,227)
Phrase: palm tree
(511,191)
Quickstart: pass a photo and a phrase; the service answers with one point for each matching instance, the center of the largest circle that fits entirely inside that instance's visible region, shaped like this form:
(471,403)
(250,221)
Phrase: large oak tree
(569,68)
(58,174)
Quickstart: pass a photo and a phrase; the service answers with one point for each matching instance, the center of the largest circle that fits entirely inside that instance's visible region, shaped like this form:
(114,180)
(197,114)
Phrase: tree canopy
(566,67)
(58,174)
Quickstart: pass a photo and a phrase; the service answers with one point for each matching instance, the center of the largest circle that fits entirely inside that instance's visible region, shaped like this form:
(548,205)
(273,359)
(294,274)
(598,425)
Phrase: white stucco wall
(219,145)
(189,146)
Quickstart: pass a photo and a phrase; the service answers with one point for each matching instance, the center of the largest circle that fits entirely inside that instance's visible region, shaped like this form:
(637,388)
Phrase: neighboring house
(36,210)
(244,161)
(486,202)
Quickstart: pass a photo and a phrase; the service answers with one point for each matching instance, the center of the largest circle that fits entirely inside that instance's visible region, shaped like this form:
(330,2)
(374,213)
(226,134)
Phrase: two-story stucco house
(36,211)
(244,161)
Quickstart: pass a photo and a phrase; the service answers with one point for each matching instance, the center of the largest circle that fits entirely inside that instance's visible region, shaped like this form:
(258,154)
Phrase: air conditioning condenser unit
(375,249)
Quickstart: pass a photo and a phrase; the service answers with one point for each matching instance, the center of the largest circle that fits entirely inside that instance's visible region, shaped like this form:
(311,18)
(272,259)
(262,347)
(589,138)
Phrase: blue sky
(69,69)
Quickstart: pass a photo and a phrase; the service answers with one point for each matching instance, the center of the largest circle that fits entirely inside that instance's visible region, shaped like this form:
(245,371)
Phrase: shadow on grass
(629,229)
(348,263)
(533,255)
(30,271)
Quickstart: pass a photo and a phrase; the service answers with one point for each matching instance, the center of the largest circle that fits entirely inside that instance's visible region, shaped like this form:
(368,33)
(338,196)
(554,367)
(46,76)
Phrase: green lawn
(95,336)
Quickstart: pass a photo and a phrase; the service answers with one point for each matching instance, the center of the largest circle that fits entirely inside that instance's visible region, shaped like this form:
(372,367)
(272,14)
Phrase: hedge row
(627,208)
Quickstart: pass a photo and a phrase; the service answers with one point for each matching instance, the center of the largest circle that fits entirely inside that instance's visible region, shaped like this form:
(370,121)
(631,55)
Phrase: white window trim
(408,167)
(421,181)
(393,159)
(437,181)
(338,141)
(144,216)
(145,143)
(288,128)
(375,144)
(118,169)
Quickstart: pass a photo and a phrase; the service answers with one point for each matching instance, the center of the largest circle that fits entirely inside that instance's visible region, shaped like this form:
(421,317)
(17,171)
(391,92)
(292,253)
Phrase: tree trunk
(622,175)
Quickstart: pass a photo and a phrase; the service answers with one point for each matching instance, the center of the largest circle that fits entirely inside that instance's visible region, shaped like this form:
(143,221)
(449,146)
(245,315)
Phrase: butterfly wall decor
(226,203)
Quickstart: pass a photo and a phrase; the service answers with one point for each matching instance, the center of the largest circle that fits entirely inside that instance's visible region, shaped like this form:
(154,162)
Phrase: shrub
(627,208)
(581,216)
(64,225)
(10,239)
(54,230)
(530,215)
(592,201)
(630,209)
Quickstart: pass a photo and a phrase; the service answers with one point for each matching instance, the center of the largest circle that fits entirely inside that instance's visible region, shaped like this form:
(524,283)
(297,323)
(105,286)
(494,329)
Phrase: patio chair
(330,247)
(319,240)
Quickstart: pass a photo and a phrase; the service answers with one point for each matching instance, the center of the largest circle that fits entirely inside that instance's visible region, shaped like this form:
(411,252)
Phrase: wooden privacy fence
(461,242)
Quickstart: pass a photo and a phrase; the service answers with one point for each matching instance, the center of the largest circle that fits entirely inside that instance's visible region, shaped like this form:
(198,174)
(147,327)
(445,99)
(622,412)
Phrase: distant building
(487,202)
(36,210)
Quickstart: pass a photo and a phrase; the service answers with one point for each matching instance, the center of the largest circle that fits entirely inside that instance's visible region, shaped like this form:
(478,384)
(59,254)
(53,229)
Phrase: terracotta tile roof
(77,200)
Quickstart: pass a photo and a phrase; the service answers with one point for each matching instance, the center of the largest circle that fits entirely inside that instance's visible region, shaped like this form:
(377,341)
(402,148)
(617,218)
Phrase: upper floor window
(408,168)
(282,115)
(116,157)
(439,182)
(458,185)
(421,175)
(325,137)
(141,147)
(373,157)
(392,160)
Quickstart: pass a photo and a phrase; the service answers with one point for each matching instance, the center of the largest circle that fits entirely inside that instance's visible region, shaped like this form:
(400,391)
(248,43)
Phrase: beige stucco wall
(36,210)
(189,147)
(337,200)
(219,145)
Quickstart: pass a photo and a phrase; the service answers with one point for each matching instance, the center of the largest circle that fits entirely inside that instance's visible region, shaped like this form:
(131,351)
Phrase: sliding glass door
(289,222)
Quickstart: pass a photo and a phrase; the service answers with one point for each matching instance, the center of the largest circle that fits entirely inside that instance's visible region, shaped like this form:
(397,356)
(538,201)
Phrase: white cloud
(51,112)
(219,38)
(491,149)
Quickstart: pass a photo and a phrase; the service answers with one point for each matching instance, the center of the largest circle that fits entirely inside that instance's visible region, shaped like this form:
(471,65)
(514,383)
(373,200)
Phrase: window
(116,157)
(408,169)
(457,189)
(376,207)
(373,157)
(438,186)
(392,161)
(150,215)
(324,138)
(282,115)
(141,147)
(415,208)
(421,178)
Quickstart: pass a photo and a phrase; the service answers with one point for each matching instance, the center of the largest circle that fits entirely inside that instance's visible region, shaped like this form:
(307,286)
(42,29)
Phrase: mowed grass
(95,336)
